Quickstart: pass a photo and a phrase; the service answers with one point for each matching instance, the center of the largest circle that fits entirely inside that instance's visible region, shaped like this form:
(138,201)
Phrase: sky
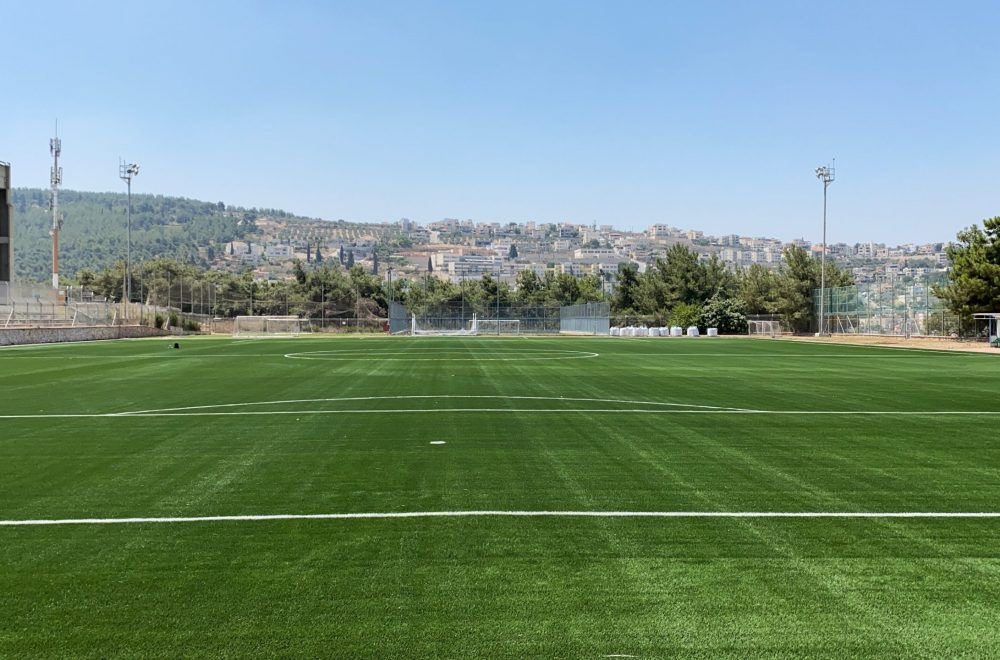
(704,115)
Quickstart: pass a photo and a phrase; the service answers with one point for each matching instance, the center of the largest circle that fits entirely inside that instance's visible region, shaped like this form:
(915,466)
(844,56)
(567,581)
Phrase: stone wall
(16,336)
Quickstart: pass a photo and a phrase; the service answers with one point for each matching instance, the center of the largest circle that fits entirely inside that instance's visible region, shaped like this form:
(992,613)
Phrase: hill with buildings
(268,242)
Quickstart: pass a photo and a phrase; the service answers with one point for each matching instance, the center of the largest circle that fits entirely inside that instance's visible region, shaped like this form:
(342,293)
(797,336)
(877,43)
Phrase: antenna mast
(55,148)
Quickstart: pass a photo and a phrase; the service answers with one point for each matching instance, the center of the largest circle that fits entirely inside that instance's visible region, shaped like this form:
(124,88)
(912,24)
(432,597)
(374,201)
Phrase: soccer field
(570,497)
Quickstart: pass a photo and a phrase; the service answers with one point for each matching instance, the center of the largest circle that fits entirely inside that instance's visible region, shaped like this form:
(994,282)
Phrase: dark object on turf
(176,345)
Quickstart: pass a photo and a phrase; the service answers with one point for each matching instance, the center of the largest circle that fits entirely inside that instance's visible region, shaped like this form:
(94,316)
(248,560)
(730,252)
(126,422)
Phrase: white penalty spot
(437,442)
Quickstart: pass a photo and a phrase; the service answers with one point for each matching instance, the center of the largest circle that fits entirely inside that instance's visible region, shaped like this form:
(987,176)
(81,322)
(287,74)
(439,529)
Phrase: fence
(586,319)
(504,319)
(886,308)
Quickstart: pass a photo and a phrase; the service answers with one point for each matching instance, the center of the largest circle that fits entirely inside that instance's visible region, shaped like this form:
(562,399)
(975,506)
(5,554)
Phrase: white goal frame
(442,327)
(261,327)
(763,328)
(500,326)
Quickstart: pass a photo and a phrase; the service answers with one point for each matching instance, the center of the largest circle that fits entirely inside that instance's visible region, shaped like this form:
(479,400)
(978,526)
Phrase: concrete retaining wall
(16,336)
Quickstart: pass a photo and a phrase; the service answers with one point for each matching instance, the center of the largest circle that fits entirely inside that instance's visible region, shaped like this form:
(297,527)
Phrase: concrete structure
(590,253)
(18,336)
(6,226)
(278,251)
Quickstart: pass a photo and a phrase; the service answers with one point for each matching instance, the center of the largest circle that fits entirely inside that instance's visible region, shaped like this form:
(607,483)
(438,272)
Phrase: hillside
(192,231)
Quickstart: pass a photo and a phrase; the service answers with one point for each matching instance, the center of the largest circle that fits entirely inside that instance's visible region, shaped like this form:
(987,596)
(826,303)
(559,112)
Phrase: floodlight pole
(126,172)
(499,272)
(826,175)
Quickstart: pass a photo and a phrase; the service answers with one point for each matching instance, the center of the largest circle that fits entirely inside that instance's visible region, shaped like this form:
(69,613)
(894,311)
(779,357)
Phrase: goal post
(267,326)
(763,328)
(443,327)
(500,326)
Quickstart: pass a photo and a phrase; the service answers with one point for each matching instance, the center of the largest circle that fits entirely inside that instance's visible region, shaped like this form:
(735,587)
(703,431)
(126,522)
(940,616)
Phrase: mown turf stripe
(508,514)
(369,411)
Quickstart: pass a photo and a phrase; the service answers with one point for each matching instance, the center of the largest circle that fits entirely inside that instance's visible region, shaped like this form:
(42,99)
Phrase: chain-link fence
(458,318)
(890,307)
(586,319)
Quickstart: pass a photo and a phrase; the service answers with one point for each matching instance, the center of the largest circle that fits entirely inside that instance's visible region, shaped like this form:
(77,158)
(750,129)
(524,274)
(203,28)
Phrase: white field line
(449,355)
(427,396)
(175,355)
(504,514)
(371,411)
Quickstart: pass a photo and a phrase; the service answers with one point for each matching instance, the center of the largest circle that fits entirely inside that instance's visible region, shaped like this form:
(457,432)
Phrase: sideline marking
(389,411)
(425,396)
(506,514)
(437,354)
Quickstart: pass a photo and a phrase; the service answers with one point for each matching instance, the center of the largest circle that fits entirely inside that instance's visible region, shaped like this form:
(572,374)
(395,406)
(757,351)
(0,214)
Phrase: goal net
(443,327)
(500,326)
(267,326)
(763,328)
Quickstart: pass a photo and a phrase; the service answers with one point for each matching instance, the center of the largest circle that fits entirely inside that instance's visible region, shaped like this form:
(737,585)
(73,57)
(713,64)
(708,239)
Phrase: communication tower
(55,148)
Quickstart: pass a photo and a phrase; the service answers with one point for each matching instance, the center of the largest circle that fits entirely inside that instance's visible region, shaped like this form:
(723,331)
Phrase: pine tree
(350,259)
(374,263)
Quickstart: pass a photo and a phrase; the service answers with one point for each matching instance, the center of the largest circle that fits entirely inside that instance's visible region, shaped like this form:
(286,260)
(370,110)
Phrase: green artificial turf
(547,424)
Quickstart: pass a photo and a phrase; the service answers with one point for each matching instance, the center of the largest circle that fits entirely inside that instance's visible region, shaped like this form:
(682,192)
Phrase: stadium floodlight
(126,172)
(826,175)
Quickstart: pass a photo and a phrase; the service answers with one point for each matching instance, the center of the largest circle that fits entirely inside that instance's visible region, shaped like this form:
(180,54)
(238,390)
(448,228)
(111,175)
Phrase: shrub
(158,321)
(726,314)
(685,314)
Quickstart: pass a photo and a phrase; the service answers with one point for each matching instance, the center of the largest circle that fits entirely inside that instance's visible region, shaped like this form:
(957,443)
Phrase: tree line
(974,279)
(679,288)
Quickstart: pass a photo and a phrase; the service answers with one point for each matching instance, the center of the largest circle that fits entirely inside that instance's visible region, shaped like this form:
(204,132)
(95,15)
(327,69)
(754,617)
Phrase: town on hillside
(454,250)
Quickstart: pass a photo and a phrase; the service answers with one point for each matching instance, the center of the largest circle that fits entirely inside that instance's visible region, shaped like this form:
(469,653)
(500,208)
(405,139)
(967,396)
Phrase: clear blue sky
(707,115)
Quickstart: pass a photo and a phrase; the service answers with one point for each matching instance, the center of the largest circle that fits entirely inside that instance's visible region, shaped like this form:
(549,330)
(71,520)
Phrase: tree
(628,281)
(528,287)
(726,314)
(798,278)
(512,252)
(341,254)
(85,277)
(319,254)
(683,277)
(685,314)
(566,290)
(758,289)
(974,280)
(430,265)
(375,263)
(350,259)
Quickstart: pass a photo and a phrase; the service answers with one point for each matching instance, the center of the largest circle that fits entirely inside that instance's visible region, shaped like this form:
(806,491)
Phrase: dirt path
(934,343)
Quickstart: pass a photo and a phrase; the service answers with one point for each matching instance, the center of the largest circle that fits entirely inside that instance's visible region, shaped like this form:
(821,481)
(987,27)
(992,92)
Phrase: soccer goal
(500,326)
(763,328)
(443,327)
(267,326)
